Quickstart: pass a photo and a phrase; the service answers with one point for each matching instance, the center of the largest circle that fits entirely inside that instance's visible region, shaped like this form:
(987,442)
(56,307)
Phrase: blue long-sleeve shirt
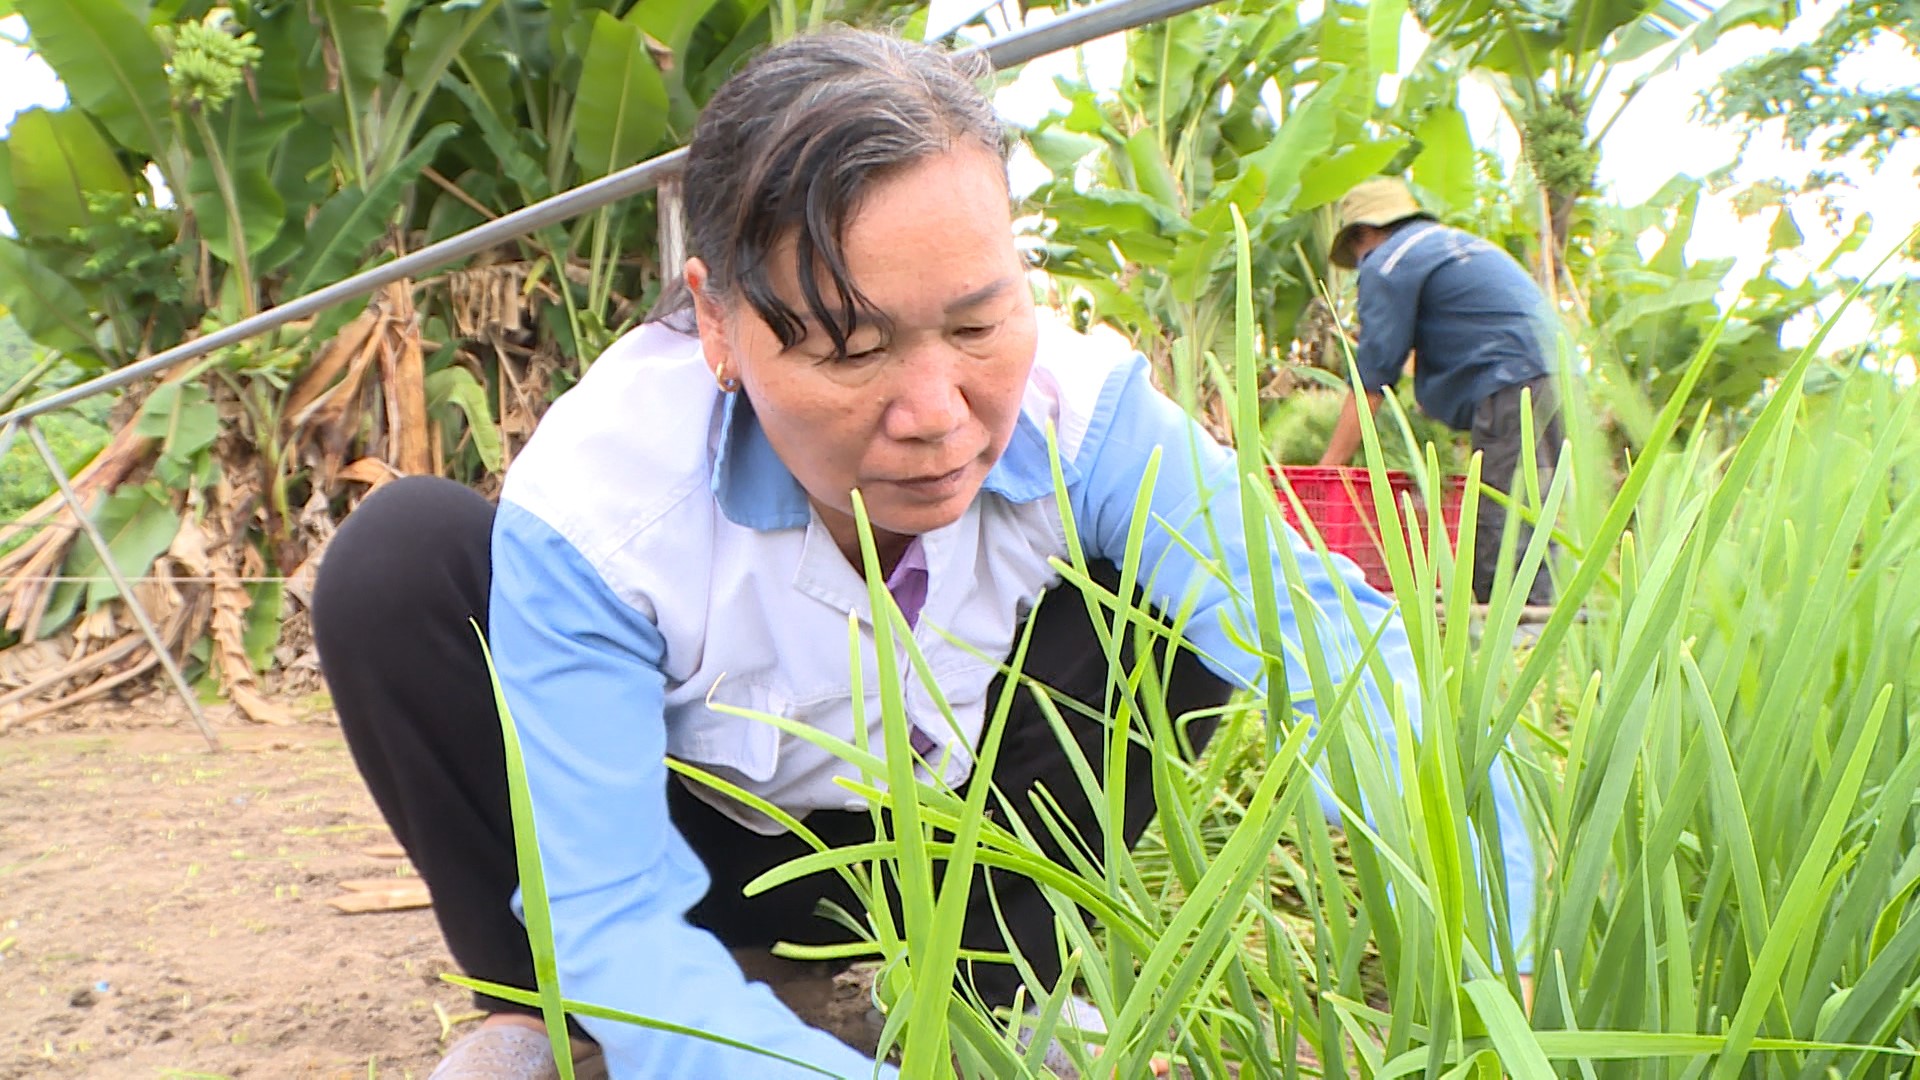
(1471,313)
(652,555)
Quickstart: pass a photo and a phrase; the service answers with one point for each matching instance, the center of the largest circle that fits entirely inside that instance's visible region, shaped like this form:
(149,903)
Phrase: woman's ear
(711,321)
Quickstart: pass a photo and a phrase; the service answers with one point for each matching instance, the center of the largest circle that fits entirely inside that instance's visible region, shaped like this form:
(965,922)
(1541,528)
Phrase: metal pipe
(1074,28)
(581,200)
(1080,27)
(134,606)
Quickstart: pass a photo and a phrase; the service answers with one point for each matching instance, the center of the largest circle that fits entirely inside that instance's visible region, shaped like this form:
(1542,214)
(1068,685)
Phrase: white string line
(198,579)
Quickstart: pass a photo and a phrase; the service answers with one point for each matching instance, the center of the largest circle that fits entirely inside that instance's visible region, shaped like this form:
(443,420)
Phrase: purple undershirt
(908,584)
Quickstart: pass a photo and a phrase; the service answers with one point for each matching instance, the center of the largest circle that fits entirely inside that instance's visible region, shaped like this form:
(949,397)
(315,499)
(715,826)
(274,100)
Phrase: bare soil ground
(163,910)
(163,914)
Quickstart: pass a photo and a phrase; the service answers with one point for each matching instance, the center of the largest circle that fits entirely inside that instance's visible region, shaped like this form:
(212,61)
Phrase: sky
(1655,139)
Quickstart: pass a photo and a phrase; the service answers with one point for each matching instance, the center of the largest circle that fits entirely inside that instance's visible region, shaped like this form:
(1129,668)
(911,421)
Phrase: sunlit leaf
(55,158)
(110,65)
(1331,177)
(1445,165)
(620,113)
(1785,234)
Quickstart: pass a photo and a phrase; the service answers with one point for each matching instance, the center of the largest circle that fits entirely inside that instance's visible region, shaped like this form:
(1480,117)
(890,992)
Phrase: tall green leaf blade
(532,875)
(1798,905)
(353,221)
(620,109)
(111,66)
(917,896)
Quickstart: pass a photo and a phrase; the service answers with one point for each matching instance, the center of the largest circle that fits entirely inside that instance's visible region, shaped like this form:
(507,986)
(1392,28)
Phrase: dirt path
(163,914)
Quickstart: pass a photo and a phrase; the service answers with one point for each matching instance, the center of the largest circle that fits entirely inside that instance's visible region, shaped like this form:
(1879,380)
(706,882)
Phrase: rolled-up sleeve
(1197,481)
(581,671)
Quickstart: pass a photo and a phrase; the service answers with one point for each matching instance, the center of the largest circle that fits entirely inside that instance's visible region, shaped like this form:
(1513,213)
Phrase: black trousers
(399,583)
(1498,438)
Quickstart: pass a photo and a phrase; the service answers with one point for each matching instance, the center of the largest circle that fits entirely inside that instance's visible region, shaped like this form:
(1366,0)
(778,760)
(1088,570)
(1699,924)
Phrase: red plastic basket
(1339,502)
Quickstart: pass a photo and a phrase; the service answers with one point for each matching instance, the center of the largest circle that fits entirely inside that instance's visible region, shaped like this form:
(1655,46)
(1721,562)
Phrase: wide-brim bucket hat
(1379,202)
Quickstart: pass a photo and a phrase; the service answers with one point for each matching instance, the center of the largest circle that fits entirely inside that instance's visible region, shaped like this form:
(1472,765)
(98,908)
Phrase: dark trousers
(400,581)
(1499,440)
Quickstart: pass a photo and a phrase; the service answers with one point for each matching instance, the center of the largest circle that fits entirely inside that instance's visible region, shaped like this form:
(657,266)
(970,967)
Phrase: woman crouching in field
(679,538)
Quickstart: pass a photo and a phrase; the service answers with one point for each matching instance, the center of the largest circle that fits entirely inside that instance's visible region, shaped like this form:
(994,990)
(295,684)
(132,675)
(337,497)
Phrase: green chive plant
(1713,736)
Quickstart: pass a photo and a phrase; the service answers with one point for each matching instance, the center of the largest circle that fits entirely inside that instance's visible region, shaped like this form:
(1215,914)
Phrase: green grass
(75,435)
(24,480)
(1713,735)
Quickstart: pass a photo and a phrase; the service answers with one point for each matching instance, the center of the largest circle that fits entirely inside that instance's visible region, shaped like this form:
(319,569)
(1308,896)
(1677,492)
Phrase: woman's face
(927,397)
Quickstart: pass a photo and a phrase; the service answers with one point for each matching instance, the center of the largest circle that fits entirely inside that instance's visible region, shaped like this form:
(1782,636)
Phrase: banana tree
(219,158)
(1650,315)
(1237,106)
(1551,60)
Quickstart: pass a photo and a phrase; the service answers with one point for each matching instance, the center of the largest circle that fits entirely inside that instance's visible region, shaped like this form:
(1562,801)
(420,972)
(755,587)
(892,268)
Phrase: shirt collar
(756,490)
(750,482)
(1389,253)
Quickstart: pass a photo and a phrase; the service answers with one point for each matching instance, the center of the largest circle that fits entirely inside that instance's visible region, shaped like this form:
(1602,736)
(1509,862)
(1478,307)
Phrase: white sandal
(1078,1018)
(511,1052)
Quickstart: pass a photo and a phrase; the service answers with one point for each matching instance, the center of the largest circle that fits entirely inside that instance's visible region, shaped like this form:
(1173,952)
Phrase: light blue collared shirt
(595,631)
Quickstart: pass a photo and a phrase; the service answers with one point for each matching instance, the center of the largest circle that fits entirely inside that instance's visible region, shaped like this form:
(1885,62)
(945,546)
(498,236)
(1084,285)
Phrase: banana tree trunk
(403,372)
(1560,208)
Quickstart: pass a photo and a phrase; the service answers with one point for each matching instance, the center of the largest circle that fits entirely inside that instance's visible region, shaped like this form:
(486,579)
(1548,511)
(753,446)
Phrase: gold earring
(727,385)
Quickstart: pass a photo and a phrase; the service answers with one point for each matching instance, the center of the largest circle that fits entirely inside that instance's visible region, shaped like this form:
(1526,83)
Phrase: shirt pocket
(964,683)
(730,731)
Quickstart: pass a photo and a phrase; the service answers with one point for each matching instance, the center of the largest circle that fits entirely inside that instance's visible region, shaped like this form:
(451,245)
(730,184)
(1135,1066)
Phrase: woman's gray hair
(790,144)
